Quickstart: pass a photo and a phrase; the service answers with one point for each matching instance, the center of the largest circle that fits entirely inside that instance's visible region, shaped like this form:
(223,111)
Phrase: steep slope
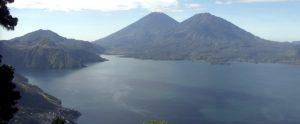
(212,39)
(37,107)
(140,34)
(44,49)
(296,42)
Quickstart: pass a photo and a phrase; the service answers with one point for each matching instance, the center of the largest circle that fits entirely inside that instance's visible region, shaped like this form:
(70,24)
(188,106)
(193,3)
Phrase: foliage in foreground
(58,120)
(8,95)
(158,122)
(6,20)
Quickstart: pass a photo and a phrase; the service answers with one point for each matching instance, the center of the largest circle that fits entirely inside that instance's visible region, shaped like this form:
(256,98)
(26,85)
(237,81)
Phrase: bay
(134,91)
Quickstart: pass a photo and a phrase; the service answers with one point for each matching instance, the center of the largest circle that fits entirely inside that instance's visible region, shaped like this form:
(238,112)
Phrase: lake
(134,91)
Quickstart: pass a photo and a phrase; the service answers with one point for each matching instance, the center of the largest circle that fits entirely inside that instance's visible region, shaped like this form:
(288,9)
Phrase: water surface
(133,91)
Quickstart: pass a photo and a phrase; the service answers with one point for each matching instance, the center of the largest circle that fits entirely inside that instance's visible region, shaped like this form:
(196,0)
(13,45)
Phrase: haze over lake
(133,91)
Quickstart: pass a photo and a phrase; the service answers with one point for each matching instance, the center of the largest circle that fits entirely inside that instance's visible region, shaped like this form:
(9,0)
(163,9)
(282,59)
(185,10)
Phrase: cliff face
(38,107)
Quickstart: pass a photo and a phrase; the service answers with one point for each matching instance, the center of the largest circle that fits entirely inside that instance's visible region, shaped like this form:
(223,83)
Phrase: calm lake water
(133,91)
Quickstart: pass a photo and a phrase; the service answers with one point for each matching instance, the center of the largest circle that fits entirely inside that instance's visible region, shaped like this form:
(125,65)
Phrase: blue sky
(277,20)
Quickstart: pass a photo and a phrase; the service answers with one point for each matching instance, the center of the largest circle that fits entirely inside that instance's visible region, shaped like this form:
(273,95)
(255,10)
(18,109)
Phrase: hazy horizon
(150,61)
(274,20)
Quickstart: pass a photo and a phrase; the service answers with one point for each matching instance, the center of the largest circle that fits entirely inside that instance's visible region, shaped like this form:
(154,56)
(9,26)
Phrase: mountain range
(296,42)
(44,49)
(202,37)
(156,36)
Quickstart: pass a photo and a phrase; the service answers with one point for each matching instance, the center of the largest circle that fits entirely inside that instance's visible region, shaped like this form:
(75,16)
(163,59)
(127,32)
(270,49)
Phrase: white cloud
(249,1)
(101,5)
(193,5)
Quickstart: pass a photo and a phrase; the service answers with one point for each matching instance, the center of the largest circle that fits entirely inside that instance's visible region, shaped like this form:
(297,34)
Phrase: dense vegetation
(44,49)
(6,20)
(8,94)
(58,120)
(158,122)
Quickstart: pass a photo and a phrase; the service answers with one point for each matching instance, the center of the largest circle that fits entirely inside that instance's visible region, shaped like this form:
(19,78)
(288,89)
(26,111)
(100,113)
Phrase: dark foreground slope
(201,37)
(44,49)
(37,107)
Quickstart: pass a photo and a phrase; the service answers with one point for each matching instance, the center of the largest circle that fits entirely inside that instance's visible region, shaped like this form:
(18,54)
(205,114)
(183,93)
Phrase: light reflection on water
(132,91)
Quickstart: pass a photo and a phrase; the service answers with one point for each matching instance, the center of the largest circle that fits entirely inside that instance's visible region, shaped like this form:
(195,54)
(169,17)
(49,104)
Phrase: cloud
(249,1)
(101,5)
(193,5)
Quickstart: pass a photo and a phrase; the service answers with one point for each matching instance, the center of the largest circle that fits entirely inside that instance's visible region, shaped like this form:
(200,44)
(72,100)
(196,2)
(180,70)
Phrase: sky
(89,20)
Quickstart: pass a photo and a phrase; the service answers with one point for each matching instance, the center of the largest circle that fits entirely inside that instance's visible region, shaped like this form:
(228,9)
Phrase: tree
(8,94)
(6,20)
(58,120)
(158,122)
